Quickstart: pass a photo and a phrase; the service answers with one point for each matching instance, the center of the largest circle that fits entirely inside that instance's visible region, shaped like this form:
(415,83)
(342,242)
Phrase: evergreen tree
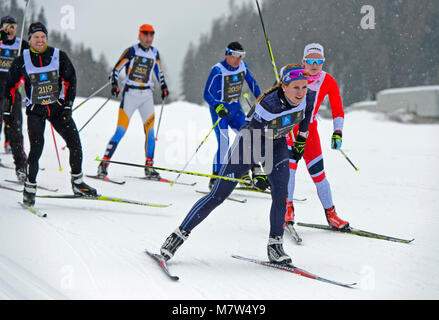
(91,74)
(401,50)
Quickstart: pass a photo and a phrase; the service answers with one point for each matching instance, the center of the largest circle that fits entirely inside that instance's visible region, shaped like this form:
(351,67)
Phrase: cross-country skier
(139,61)
(222,92)
(12,114)
(50,84)
(276,112)
(324,85)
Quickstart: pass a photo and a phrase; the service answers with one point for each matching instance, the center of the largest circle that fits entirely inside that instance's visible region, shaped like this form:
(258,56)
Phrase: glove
(6,117)
(261,182)
(5,108)
(222,111)
(66,109)
(115,90)
(336,140)
(298,147)
(3,34)
(5,103)
(165,92)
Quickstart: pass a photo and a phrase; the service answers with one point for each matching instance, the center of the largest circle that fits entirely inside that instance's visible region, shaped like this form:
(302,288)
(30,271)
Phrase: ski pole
(100,108)
(349,160)
(160,119)
(54,140)
(246,99)
(22,27)
(56,148)
(202,142)
(173,170)
(91,96)
(268,44)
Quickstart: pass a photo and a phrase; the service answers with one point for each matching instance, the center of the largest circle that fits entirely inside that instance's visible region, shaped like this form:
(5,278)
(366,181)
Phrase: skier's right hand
(3,34)
(5,104)
(261,182)
(222,111)
(115,90)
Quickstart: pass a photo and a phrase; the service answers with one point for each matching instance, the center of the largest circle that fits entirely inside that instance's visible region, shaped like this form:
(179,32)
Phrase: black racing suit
(37,114)
(14,123)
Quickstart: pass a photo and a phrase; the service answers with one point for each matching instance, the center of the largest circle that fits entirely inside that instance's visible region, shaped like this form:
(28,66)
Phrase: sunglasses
(292,75)
(316,61)
(10,25)
(236,54)
(148,33)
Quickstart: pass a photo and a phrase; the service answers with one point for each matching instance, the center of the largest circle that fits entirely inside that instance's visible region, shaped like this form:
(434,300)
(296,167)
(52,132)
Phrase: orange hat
(146,28)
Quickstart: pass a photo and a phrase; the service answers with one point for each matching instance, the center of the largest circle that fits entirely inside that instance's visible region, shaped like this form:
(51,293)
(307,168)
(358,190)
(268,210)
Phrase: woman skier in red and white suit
(324,85)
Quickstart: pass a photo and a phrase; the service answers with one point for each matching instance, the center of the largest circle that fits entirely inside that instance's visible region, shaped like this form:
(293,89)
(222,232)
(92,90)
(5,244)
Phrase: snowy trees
(401,50)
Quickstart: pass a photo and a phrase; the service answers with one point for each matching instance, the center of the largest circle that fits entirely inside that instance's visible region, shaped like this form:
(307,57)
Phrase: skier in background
(139,61)
(324,85)
(276,112)
(222,92)
(45,70)
(12,114)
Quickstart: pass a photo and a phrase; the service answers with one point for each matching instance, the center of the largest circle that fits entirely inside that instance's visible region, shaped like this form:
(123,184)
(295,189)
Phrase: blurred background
(369,45)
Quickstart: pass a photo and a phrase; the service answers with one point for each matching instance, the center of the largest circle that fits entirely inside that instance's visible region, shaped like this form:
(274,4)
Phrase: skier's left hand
(336,140)
(165,92)
(66,107)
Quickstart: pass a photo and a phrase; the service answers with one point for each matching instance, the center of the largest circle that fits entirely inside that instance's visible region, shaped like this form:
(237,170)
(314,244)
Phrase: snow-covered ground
(95,250)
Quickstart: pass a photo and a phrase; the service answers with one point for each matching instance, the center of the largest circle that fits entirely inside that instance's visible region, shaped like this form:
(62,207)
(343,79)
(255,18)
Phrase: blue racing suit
(224,86)
(273,116)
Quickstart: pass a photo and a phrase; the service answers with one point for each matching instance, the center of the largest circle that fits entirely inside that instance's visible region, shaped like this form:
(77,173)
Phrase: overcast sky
(110,26)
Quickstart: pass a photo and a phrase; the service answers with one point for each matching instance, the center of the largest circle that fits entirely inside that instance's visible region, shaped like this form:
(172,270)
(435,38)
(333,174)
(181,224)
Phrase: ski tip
(162,262)
(349,285)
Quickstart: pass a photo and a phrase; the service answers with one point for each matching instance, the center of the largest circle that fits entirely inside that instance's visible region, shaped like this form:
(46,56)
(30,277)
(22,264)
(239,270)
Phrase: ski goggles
(10,25)
(148,33)
(291,75)
(316,61)
(236,54)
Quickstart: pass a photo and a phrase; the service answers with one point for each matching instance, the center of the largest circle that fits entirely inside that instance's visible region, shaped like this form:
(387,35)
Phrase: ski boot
(289,214)
(289,222)
(151,173)
(173,242)
(275,251)
(80,188)
(29,192)
(334,221)
(102,169)
(21,174)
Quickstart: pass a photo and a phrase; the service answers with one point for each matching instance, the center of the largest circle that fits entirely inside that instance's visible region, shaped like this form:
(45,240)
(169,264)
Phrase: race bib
(233,87)
(280,126)
(141,69)
(45,87)
(7,56)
